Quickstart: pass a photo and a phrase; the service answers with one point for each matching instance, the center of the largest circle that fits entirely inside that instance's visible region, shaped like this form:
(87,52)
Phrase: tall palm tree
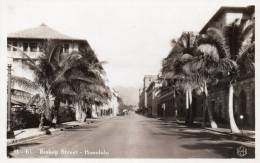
(176,69)
(191,69)
(229,50)
(56,73)
(93,90)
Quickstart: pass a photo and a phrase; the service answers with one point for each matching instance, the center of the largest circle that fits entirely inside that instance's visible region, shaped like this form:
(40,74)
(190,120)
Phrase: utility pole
(10,133)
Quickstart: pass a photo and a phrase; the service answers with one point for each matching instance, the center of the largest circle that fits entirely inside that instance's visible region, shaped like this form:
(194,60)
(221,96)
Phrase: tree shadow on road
(225,149)
(79,128)
(224,145)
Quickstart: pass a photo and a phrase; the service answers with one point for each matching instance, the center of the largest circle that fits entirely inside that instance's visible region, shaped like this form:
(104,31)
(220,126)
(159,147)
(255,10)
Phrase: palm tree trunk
(187,99)
(48,109)
(213,124)
(211,120)
(233,125)
(190,115)
(56,109)
(46,112)
(187,107)
(77,106)
(190,107)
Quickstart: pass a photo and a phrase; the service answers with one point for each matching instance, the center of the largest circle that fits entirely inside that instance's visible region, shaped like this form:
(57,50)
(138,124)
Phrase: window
(25,46)
(8,46)
(66,48)
(15,45)
(33,47)
(41,47)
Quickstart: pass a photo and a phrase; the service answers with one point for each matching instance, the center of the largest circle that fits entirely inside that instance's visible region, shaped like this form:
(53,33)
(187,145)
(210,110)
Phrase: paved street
(131,136)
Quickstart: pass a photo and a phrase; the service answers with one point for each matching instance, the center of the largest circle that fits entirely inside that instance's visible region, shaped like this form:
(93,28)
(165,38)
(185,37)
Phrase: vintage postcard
(170,79)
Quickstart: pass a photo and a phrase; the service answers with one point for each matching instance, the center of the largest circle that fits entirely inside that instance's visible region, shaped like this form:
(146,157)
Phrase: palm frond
(217,39)
(232,35)
(247,31)
(24,83)
(32,62)
(21,94)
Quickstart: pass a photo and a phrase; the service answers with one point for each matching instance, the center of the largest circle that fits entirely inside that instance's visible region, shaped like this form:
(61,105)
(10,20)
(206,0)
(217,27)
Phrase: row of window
(31,47)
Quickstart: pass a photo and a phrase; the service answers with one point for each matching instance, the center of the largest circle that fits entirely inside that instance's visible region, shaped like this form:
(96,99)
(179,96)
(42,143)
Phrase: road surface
(132,136)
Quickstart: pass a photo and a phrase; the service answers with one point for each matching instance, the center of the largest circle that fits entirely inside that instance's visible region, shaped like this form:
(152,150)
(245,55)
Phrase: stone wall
(244,103)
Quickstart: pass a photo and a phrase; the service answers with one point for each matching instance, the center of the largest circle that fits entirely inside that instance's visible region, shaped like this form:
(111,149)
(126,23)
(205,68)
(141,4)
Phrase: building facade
(170,105)
(109,109)
(31,42)
(152,98)
(244,88)
(143,93)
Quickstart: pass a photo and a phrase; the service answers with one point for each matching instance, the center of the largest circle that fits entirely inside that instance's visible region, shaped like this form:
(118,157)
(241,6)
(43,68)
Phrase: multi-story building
(141,99)
(143,94)
(152,98)
(147,80)
(31,42)
(225,15)
(112,108)
(244,89)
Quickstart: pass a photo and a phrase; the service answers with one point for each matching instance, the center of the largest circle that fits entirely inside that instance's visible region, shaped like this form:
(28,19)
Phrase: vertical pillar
(29,48)
(70,48)
(38,47)
(10,133)
(11,48)
(21,46)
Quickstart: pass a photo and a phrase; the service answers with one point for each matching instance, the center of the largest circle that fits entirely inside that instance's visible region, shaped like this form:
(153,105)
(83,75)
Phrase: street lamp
(10,133)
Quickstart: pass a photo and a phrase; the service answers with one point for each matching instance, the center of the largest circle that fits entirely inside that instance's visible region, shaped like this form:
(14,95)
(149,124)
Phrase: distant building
(141,99)
(143,94)
(152,98)
(114,103)
(147,80)
(111,108)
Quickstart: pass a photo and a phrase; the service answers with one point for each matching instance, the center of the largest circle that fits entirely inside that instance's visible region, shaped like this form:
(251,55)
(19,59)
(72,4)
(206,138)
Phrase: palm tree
(56,73)
(90,89)
(27,91)
(230,49)
(191,69)
(176,69)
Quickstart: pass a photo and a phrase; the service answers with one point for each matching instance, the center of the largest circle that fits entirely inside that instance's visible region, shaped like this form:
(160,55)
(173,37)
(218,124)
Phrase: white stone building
(31,42)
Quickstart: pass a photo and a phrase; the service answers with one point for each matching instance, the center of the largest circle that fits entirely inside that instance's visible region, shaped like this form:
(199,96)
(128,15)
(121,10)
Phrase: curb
(243,137)
(13,142)
(231,134)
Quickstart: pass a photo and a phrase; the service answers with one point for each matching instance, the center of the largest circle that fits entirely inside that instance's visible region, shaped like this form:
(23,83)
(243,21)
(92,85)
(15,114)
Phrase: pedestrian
(42,122)
(54,121)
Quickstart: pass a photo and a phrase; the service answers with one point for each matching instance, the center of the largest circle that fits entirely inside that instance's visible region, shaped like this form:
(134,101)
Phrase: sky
(131,36)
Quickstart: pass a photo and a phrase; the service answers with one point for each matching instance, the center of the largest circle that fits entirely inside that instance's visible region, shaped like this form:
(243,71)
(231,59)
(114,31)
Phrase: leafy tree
(177,69)
(229,53)
(75,76)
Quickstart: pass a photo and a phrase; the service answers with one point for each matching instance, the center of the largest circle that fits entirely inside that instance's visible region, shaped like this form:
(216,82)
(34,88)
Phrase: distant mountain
(129,95)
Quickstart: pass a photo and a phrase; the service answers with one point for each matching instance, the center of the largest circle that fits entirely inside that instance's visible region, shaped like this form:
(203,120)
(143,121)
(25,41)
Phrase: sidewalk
(245,134)
(30,133)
